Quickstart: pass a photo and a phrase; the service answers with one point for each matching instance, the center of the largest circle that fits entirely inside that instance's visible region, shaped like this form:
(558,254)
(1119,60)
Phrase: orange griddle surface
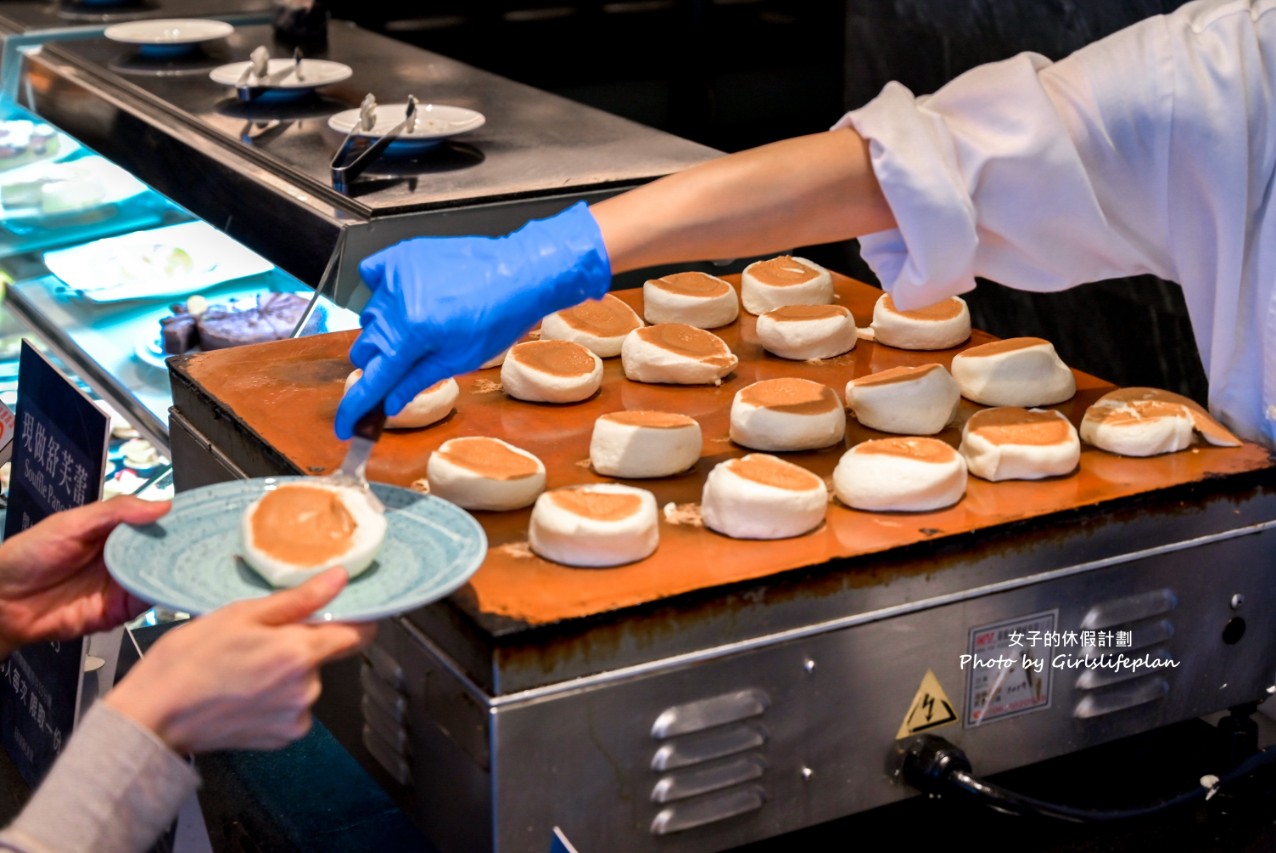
(287,393)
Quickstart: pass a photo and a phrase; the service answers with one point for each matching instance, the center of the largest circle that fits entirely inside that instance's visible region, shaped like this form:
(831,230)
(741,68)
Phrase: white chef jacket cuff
(929,255)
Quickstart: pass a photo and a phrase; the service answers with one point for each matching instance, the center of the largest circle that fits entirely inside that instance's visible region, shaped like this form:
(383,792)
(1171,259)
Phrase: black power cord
(934,766)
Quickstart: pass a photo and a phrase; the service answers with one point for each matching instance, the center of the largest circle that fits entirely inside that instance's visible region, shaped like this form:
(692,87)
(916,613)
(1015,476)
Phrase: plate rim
(221,30)
(367,614)
(225,76)
(144,352)
(408,138)
(21,215)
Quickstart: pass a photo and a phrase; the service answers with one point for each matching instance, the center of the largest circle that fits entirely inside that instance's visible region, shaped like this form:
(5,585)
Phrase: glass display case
(95,260)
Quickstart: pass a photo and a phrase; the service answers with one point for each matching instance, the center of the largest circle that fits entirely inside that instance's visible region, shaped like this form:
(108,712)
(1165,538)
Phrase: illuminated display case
(95,260)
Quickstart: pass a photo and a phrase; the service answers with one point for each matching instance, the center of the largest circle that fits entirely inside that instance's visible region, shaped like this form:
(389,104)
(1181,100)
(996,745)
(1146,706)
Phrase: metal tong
(356,153)
(259,69)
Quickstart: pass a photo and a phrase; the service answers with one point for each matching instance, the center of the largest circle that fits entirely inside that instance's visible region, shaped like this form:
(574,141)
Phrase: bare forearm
(802,191)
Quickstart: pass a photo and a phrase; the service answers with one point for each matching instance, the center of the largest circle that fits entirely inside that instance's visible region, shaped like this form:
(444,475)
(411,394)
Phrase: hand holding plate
(53,581)
(243,677)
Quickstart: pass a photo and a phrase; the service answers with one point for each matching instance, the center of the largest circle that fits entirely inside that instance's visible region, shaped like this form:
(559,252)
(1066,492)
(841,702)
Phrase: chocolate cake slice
(273,319)
(178,332)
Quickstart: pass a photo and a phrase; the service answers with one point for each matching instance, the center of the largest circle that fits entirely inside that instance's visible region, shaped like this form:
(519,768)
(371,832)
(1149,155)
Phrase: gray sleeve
(115,787)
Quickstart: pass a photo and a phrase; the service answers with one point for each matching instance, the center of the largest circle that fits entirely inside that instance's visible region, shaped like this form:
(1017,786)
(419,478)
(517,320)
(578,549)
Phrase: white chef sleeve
(1012,173)
(1150,151)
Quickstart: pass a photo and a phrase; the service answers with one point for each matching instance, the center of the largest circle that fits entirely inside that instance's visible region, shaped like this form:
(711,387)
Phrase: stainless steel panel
(706,746)
(1109,614)
(579,755)
(1094,679)
(391,729)
(728,804)
(707,713)
(697,629)
(1125,698)
(692,782)
(391,762)
(214,440)
(385,697)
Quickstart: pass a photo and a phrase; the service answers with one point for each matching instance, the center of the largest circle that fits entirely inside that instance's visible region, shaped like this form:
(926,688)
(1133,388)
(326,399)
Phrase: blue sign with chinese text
(59,462)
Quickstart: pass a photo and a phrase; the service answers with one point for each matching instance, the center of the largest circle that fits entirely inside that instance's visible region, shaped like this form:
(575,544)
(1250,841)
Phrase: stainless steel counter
(533,142)
(43,16)
(261,172)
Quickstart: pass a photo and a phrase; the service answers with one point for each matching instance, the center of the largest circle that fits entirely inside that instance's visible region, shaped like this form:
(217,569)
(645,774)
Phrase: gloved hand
(442,306)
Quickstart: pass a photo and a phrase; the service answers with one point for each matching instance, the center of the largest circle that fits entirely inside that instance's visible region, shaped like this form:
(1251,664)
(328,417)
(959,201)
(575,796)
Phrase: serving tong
(259,70)
(357,152)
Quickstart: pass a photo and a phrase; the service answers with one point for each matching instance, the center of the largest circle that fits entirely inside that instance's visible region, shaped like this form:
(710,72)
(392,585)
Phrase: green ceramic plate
(189,559)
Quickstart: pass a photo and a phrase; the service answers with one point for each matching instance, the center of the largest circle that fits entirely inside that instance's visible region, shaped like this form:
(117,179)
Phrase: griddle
(799,658)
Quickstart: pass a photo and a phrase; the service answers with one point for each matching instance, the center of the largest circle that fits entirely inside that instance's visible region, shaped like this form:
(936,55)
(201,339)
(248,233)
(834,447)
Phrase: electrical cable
(935,766)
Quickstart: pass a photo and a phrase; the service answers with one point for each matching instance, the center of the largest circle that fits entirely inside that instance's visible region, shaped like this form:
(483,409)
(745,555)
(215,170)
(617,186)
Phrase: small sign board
(59,461)
(558,842)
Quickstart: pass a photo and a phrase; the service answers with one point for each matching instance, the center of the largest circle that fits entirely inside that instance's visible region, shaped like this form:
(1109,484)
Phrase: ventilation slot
(1118,678)
(710,760)
(384,708)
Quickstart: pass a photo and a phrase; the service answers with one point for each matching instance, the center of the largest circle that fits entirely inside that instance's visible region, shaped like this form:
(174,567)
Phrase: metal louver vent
(709,761)
(1144,622)
(384,708)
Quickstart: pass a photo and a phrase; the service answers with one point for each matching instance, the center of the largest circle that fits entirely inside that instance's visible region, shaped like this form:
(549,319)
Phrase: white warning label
(1007,672)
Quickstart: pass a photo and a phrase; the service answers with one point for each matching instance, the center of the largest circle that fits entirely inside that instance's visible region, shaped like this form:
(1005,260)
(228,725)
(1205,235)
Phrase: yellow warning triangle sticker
(930,708)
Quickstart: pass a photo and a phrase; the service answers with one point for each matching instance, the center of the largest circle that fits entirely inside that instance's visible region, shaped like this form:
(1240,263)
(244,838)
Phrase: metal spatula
(354,469)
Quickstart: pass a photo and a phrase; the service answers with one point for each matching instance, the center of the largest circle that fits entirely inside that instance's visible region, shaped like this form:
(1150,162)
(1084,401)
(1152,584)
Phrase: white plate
(151,353)
(169,32)
(155,264)
(434,122)
(315,73)
(114,185)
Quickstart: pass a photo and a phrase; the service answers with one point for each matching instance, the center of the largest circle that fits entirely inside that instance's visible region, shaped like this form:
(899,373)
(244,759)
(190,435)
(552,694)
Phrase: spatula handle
(370,425)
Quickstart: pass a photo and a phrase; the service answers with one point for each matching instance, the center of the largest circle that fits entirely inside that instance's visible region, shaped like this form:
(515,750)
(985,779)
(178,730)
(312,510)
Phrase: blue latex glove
(442,306)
